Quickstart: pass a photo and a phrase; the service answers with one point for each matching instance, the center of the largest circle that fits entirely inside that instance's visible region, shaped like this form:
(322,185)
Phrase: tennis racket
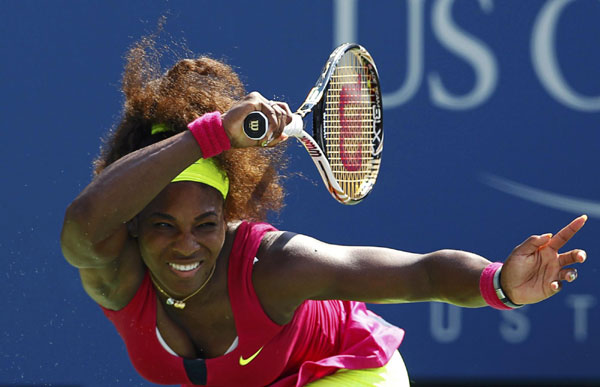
(347,131)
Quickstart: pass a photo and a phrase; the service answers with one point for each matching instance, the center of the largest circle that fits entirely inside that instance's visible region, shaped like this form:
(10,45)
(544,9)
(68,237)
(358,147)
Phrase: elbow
(84,244)
(76,237)
(436,272)
(454,277)
(76,216)
(73,241)
(76,224)
(83,223)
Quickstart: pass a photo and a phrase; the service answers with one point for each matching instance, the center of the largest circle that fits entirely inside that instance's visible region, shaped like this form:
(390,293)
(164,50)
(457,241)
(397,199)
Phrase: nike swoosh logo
(244,362)
(549,199)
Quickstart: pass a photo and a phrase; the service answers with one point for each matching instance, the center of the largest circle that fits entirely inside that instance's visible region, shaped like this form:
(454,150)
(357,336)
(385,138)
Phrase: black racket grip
(256,125)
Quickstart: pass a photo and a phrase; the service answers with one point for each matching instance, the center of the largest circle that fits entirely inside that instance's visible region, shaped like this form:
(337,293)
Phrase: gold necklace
(180,304)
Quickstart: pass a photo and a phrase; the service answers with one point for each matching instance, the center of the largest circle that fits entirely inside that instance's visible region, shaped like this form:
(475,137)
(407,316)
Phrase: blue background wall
(491,120)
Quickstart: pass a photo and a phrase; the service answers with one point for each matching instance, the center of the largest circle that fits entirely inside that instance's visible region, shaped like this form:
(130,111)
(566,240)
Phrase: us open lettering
(514,326)
(468,47)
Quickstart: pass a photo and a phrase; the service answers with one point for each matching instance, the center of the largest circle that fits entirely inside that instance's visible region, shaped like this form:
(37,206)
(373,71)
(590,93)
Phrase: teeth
(189,267)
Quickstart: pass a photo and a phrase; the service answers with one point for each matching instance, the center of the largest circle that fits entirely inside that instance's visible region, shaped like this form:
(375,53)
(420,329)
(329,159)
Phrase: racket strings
(348,126)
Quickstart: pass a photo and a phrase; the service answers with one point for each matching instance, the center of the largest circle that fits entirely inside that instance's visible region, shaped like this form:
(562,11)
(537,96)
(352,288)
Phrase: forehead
(187,197)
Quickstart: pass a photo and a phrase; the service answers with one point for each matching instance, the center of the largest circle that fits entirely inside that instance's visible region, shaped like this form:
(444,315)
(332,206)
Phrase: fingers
(278,115)
(532,244)
(555,242)
(563,236)
(569,274)
(276,140)
(543,267)
(283,117)
(233,119)
(571,257)
(556,286)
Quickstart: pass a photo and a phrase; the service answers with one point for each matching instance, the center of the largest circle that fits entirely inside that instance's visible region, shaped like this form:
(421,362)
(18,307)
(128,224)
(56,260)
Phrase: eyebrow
(170,217)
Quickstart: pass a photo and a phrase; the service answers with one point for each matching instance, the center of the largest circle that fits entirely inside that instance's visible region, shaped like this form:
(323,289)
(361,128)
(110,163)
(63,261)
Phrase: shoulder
(292,268)
(232,227)
(282,245)
(249,235)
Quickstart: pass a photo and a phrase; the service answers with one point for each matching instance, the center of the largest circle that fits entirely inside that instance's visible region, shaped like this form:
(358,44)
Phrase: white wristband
(500,293)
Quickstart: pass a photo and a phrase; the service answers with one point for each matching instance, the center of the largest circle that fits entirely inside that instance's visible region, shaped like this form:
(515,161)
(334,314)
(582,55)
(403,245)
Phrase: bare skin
(131,219)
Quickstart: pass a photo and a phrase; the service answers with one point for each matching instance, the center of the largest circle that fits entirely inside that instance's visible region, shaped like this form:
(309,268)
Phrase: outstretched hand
(535,269)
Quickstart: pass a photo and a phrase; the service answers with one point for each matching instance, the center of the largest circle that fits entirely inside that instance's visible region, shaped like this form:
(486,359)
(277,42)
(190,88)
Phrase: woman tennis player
(169,241)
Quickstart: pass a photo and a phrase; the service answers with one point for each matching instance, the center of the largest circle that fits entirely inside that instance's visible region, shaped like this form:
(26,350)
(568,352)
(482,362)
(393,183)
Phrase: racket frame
(315,144)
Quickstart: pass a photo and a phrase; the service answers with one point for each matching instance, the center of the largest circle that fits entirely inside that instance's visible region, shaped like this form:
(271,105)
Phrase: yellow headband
(207,172)
(160,128)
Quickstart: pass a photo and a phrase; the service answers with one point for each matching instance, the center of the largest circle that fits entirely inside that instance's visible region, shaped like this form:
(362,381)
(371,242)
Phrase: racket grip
(294,128)
(256,126)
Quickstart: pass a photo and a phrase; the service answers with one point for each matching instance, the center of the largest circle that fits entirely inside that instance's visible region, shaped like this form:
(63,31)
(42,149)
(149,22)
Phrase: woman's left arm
(293,268)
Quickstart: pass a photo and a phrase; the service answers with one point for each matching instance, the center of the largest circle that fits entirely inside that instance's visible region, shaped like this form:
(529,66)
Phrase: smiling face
(180,235)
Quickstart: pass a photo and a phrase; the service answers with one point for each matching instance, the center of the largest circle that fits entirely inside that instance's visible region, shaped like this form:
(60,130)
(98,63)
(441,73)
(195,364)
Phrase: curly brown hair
(191,88)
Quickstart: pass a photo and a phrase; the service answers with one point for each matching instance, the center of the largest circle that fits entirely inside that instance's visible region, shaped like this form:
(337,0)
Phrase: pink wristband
(209,134)
(486,287)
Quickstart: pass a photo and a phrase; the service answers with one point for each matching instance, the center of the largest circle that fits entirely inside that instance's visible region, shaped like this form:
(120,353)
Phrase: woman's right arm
(94,229)
(95,237)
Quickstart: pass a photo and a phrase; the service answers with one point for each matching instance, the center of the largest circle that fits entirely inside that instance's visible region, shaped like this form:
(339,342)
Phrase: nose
(185,244)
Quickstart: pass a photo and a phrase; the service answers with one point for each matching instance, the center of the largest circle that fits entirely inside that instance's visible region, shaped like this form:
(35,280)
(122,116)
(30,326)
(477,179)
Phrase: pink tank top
(322,337)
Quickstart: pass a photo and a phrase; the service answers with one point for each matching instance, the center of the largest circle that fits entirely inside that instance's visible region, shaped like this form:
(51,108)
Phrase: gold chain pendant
(180,304)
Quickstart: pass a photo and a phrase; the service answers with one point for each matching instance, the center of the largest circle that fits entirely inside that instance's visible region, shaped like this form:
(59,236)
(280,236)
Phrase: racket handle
(256,126)
(294,128)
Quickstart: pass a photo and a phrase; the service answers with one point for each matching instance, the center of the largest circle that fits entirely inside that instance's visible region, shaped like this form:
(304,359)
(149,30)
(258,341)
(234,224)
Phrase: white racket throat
(295,128)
